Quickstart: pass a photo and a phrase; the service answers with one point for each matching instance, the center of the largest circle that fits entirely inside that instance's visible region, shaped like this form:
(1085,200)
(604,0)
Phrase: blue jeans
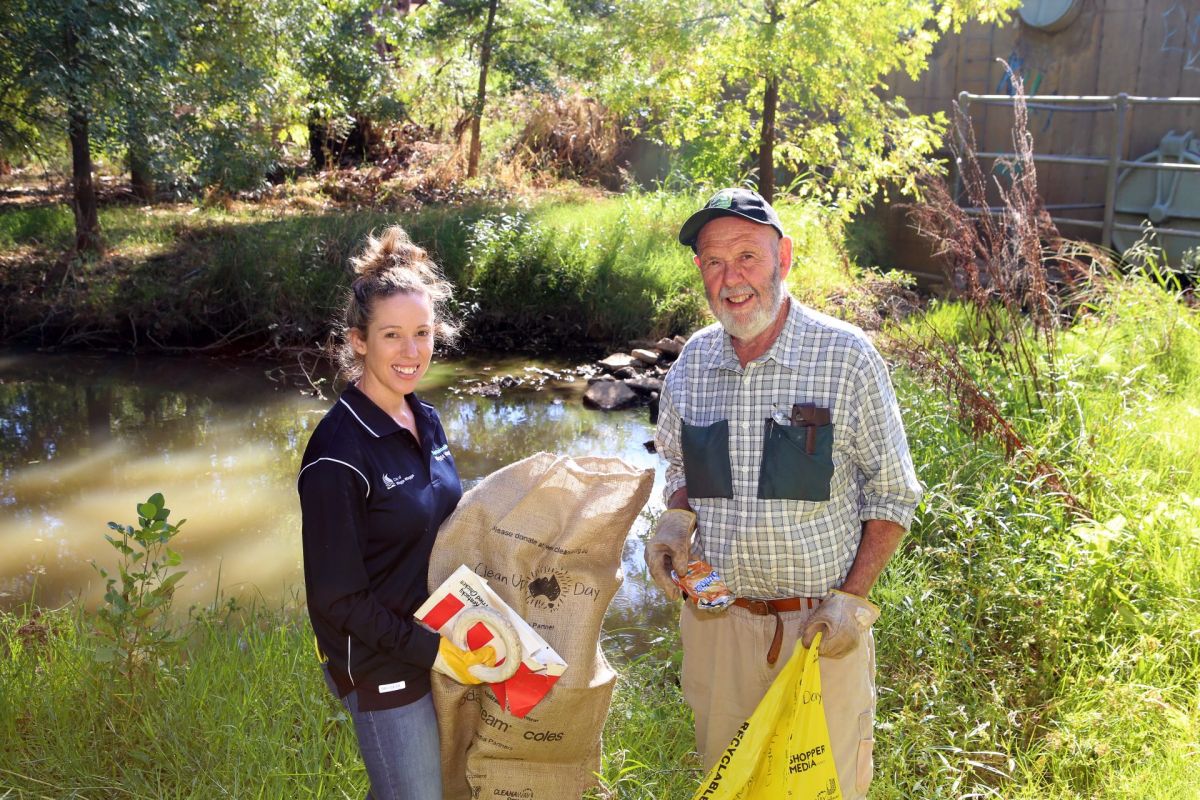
(400,748)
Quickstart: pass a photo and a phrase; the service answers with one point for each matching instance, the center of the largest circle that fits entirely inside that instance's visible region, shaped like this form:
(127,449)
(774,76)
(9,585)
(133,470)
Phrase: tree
(352,56)
(514,44)
(72,62)
(799,84)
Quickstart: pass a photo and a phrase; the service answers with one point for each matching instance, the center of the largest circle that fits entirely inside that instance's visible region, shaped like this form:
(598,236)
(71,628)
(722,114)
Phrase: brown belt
(774,608)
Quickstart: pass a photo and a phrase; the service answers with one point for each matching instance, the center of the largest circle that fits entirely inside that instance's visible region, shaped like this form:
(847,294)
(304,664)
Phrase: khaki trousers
(725,675)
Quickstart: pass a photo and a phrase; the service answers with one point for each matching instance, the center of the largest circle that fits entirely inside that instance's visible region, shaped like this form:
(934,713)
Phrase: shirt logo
(392,483)
(441,452)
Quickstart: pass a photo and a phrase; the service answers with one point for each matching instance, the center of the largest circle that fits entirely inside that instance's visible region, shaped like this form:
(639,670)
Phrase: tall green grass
(534,276)
(52,227)
(246,714)
(1027,653)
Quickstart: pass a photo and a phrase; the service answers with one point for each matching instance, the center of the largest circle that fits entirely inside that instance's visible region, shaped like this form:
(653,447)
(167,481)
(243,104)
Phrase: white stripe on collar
(342,400)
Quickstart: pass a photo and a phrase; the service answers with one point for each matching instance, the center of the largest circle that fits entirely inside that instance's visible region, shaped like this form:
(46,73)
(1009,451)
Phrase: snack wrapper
(540,666)
(703,586)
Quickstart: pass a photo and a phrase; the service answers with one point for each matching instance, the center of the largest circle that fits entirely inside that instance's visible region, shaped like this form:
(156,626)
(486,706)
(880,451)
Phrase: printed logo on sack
(547,586)
(391,483)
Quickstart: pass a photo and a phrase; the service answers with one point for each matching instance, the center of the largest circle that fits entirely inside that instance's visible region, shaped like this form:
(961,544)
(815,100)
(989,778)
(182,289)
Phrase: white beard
(744,327)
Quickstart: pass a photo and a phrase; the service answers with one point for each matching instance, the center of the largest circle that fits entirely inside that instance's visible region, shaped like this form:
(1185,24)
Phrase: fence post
(964,114)
(1120,108)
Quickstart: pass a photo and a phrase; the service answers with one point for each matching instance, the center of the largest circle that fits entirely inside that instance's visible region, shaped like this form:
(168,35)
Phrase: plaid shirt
(790,548)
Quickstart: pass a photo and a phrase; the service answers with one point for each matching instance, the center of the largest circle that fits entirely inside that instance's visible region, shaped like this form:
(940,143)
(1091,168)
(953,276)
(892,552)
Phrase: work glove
(670,548)
(456,663)
(844,617)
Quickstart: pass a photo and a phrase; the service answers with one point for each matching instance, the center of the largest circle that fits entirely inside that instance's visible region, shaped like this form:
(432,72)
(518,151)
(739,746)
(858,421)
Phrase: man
(788,471)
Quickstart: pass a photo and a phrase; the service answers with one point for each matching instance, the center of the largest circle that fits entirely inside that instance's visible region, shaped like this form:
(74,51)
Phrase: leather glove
(670,548)
(845,617)
(456,663)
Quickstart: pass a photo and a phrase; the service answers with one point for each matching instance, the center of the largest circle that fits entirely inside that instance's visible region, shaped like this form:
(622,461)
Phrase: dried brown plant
(573,136)
(1020,279)
(1006,259)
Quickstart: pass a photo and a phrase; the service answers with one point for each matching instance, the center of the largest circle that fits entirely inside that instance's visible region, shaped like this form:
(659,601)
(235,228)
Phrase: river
(84,438)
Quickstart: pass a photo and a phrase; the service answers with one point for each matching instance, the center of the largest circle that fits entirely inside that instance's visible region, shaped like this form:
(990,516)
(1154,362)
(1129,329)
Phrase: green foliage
(602,271)
(109,61)
(199,94)
(133,627)
(249,716)
(649,740)
(605,274)
(829,60)
(354,59)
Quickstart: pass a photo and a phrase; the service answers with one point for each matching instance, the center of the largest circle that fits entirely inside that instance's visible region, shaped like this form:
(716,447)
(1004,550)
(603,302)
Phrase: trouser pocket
(866,752)
(788,471)
(706,459)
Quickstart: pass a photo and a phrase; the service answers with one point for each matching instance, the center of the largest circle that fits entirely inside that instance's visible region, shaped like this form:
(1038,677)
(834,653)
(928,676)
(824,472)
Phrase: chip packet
(703,586)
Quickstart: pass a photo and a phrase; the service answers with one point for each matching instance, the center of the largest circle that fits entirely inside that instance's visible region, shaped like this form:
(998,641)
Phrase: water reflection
(83,439)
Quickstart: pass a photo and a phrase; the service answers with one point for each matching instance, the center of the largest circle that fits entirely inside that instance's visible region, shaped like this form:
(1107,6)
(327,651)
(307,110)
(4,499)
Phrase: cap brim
(691,228)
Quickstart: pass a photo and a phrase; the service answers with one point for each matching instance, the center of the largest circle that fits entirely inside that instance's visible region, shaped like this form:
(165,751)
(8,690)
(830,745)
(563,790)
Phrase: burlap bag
(547,533)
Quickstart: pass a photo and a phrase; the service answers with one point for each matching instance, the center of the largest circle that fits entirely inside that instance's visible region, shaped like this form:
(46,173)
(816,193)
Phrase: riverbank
(1025,651)
(573,272)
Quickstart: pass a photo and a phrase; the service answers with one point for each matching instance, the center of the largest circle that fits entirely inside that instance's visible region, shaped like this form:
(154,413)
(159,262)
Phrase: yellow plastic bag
(782,751)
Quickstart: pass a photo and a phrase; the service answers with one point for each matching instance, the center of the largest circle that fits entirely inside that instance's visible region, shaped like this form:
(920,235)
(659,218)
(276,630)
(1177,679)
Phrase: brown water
(83,439)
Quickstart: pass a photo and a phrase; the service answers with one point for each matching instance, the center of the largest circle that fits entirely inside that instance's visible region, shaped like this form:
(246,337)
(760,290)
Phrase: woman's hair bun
(392,249)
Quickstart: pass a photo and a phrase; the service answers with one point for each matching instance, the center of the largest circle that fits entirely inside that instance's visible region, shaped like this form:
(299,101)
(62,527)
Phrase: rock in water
(616,361)
(646,356)
(645,386)
(609,395)
(669,347)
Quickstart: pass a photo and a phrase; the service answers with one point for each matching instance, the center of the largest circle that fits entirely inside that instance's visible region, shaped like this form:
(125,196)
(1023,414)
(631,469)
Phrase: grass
(246,714)
(1028,654)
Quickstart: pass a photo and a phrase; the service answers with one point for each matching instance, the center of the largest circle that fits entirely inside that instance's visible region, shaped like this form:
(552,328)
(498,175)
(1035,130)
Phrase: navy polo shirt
(372,499)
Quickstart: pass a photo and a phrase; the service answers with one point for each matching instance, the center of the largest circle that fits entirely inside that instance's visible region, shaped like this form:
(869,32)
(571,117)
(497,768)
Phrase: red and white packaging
(540,666)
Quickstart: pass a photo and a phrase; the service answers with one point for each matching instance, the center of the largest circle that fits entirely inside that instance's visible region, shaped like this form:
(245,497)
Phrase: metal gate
(1119,106)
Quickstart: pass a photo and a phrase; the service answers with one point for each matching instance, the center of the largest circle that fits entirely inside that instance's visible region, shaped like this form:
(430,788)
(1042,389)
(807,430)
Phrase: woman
(376,482)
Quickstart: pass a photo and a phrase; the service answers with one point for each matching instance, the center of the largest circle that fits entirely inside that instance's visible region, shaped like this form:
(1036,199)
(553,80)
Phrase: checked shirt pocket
(788,471)
(706,459)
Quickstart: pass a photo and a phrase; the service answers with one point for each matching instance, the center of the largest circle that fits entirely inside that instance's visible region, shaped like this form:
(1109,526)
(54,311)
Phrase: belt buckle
(760,608)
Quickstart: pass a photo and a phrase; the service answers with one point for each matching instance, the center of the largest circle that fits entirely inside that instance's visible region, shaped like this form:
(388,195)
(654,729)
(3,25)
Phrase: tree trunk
(140,179)
(87,219)
(766,141)
(766,137)
(485,57)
